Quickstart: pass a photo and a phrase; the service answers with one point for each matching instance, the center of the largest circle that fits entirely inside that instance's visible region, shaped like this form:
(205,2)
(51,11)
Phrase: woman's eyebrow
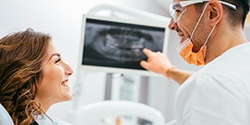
(54,54)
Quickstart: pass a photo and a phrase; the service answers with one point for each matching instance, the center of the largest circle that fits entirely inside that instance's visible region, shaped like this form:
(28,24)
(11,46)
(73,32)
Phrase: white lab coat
(217,94)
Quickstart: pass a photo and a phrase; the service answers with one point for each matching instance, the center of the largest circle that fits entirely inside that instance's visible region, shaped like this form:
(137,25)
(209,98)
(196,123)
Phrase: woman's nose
(68,69)
(172,25)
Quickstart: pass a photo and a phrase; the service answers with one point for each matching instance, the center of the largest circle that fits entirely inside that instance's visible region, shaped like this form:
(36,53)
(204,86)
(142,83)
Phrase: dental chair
(101,111)
(5,118)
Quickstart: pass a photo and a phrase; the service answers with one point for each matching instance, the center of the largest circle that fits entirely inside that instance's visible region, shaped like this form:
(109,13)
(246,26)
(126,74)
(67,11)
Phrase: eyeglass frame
(184,4)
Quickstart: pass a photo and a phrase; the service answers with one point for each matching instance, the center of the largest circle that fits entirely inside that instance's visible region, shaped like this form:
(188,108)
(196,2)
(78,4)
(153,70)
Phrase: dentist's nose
(172,25)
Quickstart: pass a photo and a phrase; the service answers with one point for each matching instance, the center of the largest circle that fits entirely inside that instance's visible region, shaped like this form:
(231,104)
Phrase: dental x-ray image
(119,45)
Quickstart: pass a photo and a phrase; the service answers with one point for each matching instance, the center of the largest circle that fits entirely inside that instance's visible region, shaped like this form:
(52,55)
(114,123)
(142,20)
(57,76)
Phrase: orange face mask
(185,49)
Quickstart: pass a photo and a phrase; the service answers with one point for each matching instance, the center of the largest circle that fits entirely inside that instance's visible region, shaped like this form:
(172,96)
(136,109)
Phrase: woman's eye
(58,60)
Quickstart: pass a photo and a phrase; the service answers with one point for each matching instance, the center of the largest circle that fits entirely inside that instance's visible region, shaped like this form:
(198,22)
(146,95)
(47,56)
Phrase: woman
(32,76)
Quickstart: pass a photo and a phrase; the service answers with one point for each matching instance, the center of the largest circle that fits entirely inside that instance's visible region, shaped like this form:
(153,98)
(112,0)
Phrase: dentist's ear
(216,12)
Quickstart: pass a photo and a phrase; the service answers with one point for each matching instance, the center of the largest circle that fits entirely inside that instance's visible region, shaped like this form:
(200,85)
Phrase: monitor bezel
(126,21)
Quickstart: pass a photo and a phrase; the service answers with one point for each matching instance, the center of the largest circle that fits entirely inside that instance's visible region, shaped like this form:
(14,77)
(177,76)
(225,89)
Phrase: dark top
(34,123)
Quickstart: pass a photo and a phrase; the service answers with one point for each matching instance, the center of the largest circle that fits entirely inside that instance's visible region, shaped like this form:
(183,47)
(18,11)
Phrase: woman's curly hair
(21,57)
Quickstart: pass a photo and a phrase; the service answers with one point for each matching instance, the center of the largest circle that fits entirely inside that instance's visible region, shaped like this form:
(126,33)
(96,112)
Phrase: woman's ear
(215,12)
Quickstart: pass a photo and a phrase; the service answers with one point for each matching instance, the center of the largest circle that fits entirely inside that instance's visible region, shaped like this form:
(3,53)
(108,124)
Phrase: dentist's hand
(157,62)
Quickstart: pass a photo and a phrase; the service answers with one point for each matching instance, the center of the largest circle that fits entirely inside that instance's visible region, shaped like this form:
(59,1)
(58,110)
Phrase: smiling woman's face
(53,84)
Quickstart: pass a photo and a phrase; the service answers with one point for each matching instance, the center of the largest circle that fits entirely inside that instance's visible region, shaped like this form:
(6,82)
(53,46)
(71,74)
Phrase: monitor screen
(115,45)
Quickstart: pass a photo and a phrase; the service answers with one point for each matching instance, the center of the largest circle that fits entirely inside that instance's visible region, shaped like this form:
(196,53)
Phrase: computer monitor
(115,45)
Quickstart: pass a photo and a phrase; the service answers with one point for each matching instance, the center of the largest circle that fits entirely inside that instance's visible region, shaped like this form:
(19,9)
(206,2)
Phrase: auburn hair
(21,57)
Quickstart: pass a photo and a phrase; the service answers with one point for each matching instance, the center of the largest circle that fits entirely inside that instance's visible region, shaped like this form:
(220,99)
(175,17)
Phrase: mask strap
(198,22)
(209,35)
(208,38)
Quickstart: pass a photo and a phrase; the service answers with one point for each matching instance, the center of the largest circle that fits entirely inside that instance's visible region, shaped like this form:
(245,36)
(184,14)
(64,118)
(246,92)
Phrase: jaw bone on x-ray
(120,45)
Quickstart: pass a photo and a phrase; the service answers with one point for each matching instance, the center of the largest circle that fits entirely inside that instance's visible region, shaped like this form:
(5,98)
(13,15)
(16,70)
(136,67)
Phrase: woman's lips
(65,83)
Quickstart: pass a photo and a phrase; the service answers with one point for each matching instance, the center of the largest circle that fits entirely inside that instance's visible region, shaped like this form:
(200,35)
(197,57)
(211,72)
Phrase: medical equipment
(114,45)
(119,110)
(138,19)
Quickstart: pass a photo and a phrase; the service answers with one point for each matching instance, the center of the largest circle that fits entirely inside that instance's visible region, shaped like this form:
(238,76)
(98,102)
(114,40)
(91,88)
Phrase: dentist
(211,33)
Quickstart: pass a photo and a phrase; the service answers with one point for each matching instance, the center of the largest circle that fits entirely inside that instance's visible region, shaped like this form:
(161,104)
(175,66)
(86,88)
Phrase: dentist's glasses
(176,9)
